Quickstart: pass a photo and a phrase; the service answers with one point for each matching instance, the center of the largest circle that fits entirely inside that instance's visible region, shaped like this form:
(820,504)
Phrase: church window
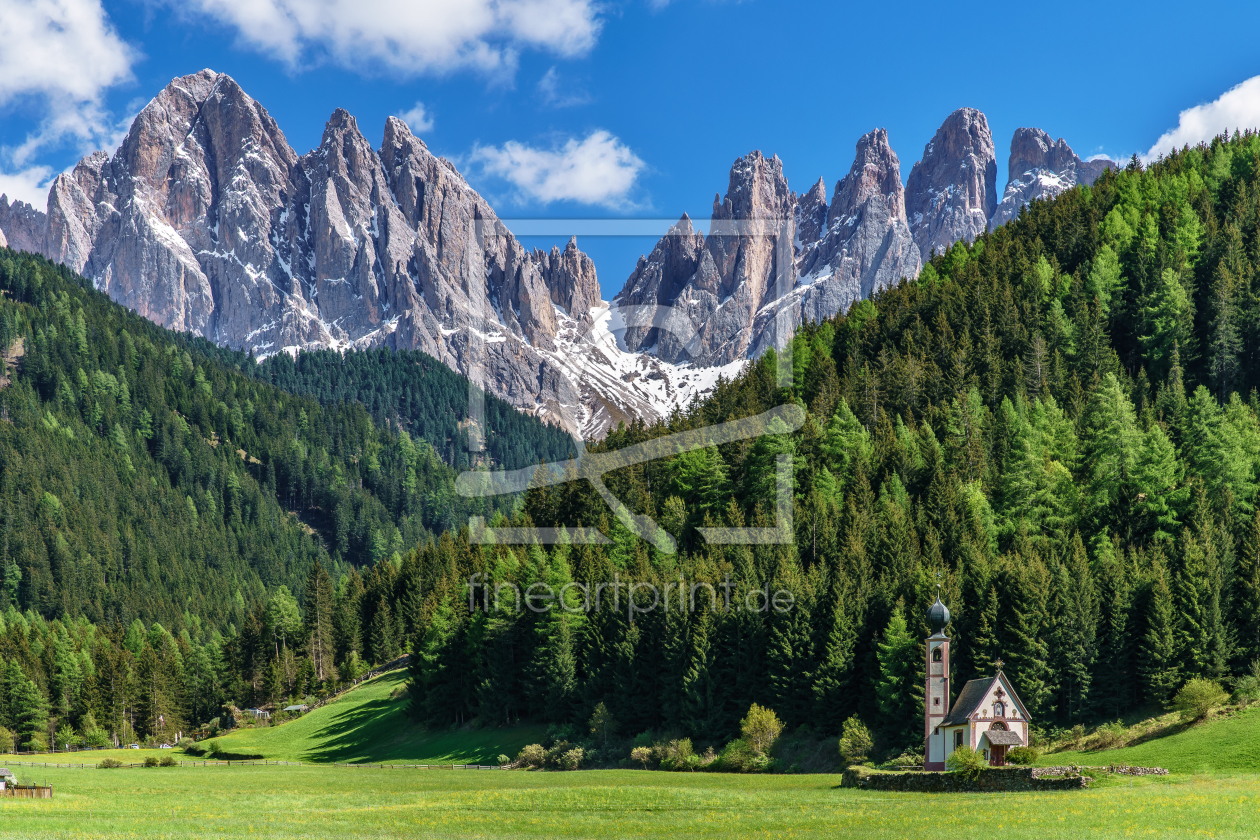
(958,738)
(936,701)
(936,654)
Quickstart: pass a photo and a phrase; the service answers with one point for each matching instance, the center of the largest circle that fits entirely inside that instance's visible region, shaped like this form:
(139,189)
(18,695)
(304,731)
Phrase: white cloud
(549,90)
(597,170)
(1236,108)
(63,55)
(29,185)
(410,36)
(417,118)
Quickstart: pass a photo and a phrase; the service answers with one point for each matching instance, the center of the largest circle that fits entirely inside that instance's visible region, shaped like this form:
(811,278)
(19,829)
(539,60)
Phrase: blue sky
(585,109)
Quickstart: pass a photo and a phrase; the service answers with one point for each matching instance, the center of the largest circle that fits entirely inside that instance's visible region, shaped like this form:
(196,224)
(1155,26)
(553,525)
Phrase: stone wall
(989,780)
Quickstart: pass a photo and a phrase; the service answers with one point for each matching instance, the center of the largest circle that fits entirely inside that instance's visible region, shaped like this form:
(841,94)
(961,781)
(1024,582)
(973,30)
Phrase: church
(987,715)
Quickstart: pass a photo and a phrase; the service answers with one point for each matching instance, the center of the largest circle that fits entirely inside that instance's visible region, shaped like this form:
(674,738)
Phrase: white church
(987,715)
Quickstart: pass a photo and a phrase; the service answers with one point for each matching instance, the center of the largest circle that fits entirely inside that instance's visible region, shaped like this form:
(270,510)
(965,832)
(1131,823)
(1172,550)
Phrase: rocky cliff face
(952,192)
(21,226)
(867,244)
(1041,168)
(719,299)
(206,220)
(695,299)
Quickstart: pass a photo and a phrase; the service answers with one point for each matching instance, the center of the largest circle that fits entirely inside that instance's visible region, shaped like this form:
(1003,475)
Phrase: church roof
(973,694)
(999,737)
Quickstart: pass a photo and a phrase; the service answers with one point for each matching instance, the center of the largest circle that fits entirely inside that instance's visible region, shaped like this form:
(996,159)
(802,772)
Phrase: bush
(966,762)
(760,728)
(909,758)
(532,756)
(109,764)
(675,754)
(1247,687)
(1022,755)
(167,761)
(855,741)
(503,760)
(36,743)
(212,747)
(96,737)
(151,761)
(6,740)
(1109,736)
(642,755)
(571,759)
(1198,698)
(739,757)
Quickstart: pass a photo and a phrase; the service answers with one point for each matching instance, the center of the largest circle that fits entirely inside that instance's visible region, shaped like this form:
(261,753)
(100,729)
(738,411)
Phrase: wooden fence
(28,791)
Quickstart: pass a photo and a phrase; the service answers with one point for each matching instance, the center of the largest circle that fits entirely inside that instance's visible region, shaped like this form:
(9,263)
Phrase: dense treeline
(144,474)
(423,396)
(1057,422)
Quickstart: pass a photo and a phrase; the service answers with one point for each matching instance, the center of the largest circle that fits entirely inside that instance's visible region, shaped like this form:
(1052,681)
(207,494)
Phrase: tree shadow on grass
(380,731)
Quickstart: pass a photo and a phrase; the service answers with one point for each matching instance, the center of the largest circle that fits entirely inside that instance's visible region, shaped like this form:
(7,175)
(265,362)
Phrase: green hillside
(1230,745)
(369,724)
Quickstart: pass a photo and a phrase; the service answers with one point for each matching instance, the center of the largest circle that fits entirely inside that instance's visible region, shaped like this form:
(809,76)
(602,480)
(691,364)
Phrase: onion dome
(938,615)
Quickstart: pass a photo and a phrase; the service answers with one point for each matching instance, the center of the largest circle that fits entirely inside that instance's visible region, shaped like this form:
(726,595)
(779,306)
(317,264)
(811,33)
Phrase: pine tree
(901,681)
(317,606)
(1159,661)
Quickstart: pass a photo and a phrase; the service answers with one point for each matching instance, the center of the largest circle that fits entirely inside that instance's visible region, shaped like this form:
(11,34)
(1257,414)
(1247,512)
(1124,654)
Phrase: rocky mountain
(206,220)
(1041,168)
(951,193)
(683,302)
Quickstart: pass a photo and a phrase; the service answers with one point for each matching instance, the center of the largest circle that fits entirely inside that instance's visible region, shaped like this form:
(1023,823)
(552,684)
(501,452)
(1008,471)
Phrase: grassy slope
(1231,745)
(367,725)
(346,804)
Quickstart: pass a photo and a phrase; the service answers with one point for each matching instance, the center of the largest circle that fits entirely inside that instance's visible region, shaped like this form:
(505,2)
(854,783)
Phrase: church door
(997,755)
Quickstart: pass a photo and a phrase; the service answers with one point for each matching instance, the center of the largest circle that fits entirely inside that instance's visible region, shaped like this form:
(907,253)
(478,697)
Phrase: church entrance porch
(997,755)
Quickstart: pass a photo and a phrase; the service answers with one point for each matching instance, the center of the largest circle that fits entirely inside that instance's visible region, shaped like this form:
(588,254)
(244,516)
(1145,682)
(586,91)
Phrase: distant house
(6,778)
(298,709)
(259,714)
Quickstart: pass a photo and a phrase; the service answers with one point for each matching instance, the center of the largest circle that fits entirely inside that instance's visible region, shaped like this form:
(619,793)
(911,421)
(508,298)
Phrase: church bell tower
(936,690)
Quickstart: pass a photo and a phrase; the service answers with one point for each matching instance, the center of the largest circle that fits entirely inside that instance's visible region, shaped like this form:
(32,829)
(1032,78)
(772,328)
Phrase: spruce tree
(1159,664)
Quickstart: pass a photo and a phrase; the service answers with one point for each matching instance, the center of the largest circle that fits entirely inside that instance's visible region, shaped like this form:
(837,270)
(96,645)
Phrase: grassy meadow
(1214,792)
(369,724)
(340,803)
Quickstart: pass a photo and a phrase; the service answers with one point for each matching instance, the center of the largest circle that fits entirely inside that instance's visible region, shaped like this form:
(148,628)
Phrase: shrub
(760,728)
(6,740)
(602,723)
(571,759)
(855,741)
(109,764)
(966,762)
(151,761)
(36,743)
(739,757)
(96,737)
(1109,736)
(1197,698)
(641,755)
(503,759)
(909,758)
(557,751)
(1247,687)
(675,754)
(66,737)
(212,747)
(1022,755)
(167,761)
(532,756)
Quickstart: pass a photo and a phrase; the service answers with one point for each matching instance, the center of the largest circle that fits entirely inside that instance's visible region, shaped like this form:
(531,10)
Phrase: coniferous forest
(1059,423)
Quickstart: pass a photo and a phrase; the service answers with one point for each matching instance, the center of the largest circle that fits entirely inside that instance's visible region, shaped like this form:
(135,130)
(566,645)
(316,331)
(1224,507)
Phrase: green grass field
(1214,792)
(366,725)
(1231,745)
(340,803)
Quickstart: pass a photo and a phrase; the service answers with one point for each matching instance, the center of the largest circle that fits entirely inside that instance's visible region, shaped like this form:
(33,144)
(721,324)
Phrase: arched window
(936,654)
(999,709)
(997,726)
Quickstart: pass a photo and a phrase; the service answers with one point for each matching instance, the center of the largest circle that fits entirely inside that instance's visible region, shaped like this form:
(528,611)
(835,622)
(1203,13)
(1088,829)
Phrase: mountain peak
(952,192)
